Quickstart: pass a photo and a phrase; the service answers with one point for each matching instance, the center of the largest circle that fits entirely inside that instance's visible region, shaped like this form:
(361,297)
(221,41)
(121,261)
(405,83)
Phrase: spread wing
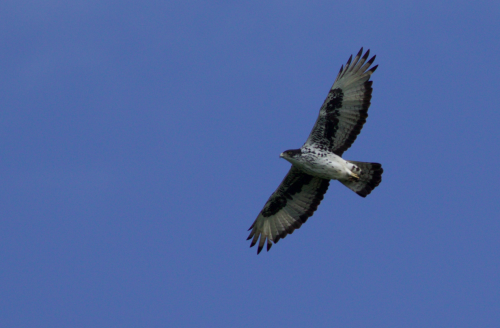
(295,200)
(344,111)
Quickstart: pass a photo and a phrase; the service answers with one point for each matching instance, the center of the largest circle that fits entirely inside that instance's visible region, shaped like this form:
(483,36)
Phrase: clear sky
(140,139)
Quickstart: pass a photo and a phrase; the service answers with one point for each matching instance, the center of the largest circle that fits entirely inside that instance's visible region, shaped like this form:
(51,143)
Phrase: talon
(354,177)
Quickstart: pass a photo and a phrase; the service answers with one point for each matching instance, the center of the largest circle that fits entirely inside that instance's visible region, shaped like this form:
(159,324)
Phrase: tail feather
(369,178)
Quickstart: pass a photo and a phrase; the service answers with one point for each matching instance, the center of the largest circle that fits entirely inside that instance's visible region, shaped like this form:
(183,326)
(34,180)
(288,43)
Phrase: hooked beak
(282,155)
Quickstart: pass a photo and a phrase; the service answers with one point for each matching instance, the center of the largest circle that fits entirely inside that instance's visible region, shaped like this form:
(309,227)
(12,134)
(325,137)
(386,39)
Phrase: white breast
(324,165)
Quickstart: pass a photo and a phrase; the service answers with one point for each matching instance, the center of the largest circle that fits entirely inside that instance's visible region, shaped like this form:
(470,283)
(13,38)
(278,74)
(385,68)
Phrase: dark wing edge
(345,109)
(295,200)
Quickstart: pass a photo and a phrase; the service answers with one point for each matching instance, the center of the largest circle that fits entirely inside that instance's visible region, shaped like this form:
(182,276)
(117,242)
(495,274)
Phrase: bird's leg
(353,177)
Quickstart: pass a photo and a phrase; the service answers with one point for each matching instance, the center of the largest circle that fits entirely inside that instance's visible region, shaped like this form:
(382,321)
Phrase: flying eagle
(319,160)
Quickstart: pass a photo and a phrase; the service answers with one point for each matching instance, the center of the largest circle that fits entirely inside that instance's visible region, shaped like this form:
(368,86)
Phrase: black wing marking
(295,200)
(344,111)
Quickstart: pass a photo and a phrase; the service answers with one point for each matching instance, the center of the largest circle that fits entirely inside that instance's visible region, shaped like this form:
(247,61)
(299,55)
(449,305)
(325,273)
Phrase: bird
(319,160)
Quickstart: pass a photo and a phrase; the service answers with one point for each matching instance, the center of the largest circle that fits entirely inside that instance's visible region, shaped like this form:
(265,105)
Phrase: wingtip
(372,60)
(360,52)
(367,53)
(373,69)
(348,61)
(259,249)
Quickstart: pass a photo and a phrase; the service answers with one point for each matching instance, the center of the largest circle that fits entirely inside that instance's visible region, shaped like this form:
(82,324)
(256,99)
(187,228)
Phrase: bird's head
(291,154)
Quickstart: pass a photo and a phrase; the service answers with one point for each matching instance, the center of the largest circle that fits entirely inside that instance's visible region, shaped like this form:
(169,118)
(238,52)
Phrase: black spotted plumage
(340,120)
(345,109)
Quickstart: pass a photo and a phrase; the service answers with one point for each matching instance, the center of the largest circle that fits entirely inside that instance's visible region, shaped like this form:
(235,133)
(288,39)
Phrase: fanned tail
(369,178)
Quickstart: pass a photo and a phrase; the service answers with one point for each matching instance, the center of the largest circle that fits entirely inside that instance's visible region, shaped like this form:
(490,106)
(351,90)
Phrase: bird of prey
(319,160)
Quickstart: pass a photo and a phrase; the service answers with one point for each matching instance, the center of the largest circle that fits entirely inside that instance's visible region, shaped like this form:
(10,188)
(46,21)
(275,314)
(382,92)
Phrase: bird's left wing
(344,111)
(295,200)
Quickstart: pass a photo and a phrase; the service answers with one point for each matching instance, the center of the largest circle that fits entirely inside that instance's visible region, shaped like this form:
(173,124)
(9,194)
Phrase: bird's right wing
(295,200)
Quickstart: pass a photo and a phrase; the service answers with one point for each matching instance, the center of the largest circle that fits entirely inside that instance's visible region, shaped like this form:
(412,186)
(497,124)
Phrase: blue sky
(139,141)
